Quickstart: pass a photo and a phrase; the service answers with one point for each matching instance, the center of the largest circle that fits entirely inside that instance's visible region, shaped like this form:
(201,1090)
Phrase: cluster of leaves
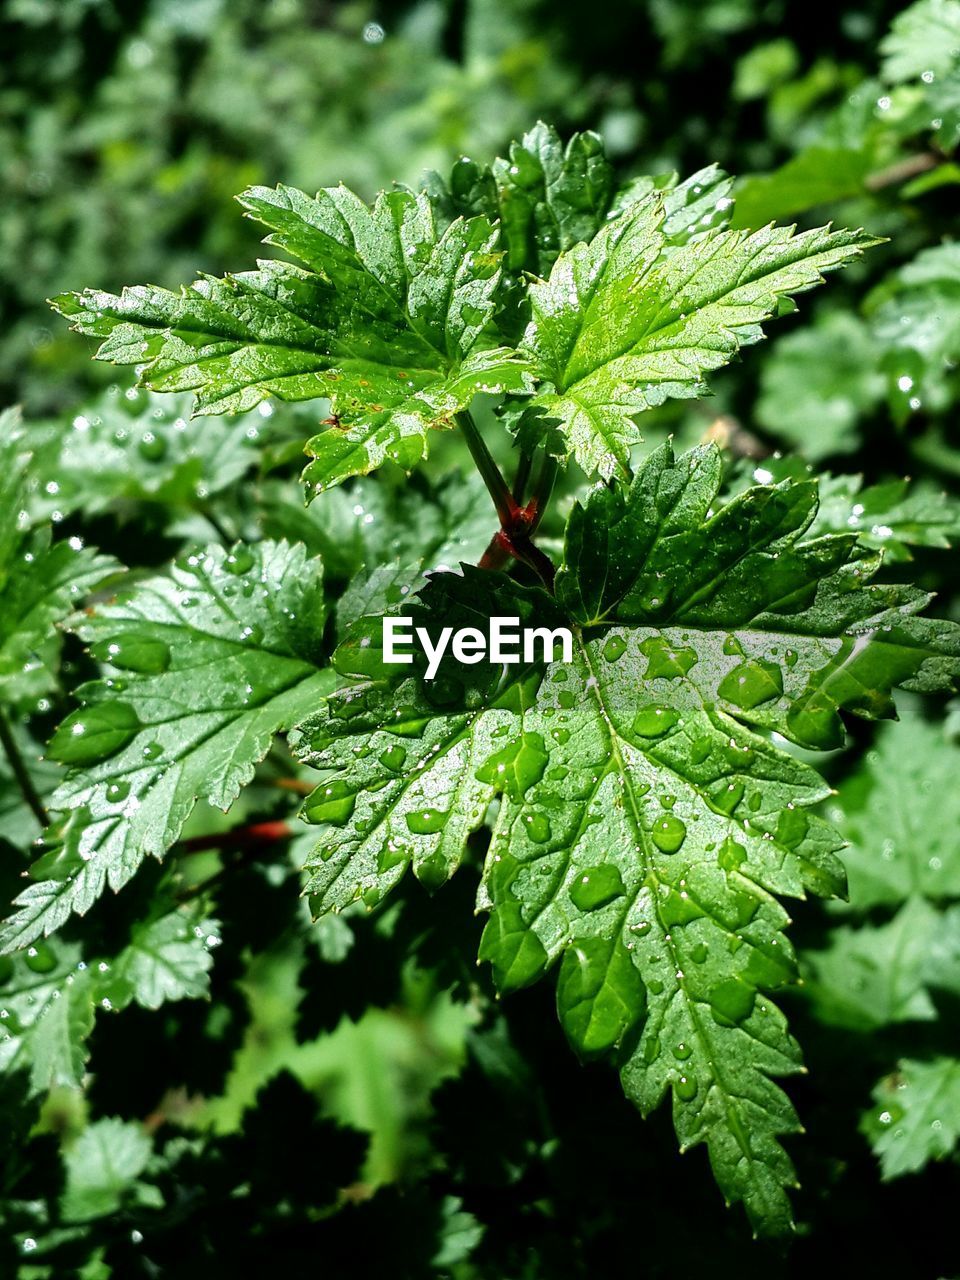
(628,825)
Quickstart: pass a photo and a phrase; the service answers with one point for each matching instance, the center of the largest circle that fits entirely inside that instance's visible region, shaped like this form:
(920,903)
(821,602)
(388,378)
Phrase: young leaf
(551,196)
(209,664)
(619,327)
(646,818)
(384,322)
(546,196)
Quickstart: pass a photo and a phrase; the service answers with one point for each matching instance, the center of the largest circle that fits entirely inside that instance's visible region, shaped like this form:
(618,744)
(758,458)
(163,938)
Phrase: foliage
(251,867)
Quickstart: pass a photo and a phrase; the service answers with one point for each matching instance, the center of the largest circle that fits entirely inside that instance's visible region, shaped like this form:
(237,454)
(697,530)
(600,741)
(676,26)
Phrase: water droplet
(240,560)
(40,958)
(726,798)
(654,721)
(393,758)
(426,822)
(134,653)
(664,661)
(686,1088)
(669,833)
(751,683)
(538,827)
(152,751)
(700,749)
(732,855)
(94,733)
(595,887)
(151,446)
(615,648)
(332,802)
(731,1002)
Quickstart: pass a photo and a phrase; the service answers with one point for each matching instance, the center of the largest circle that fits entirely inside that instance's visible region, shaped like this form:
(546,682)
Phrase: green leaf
(372,523)
(551,196)
(384,322)
(619,327)
(132,447)
(102,1167)
(206,666)
(167,958)
(408,787)
(41,582)
(915,323)
(876,975)
(692,209)
(917,1115)
(46,1013)
(892,516)
(50,992)
(817,383)
(923,38)
(646,818)
(899,812)
(546,195)
(817,176)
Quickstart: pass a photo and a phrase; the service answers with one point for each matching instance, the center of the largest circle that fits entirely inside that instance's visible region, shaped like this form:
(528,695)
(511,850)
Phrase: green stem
(20,771)
(543,489)
(522,477)
(496,485)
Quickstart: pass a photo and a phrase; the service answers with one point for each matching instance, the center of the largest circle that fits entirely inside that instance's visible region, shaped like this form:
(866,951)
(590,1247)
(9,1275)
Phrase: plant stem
(542,490)
(20,772)
(503,499)
(522,477)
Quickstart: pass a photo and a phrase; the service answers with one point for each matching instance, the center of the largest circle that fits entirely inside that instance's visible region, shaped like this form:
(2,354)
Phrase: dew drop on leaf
(595,887)
(614,648)
(332,802)
(654,721)
(94,733)
(537,826)
(239,561)
(426,822)
(669,833)
(751,683)
(40,958)
(686,1088)
(393,758)
(134,653)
